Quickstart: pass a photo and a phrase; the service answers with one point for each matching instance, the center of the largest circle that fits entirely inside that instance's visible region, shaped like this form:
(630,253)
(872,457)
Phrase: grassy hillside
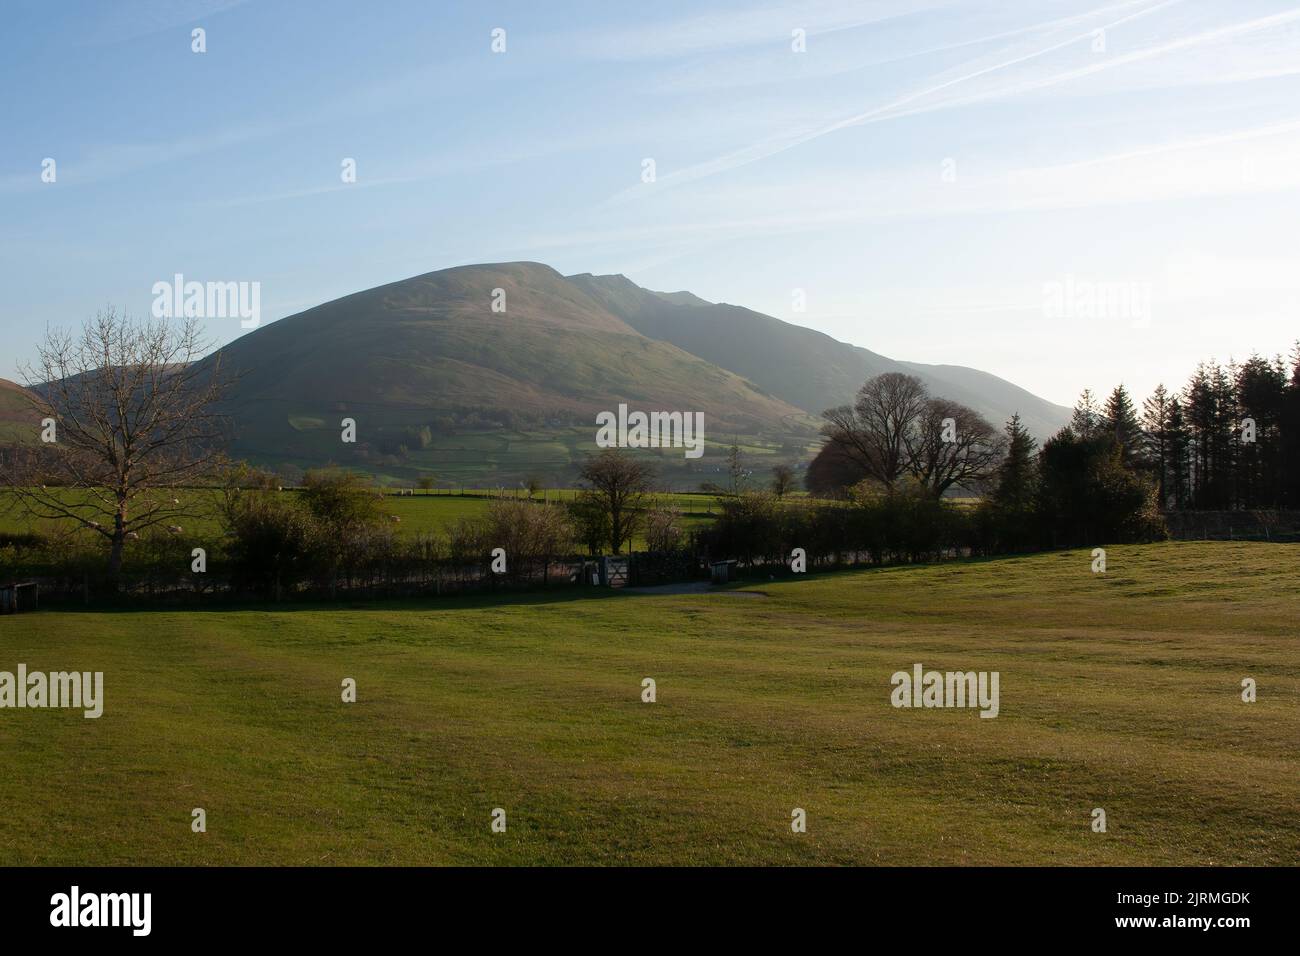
(18,421)
(430,352)
(507,456)
(1118,691)
(802,366)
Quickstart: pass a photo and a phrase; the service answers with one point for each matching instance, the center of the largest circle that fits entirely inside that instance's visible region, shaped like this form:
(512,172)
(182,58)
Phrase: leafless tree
(737,473)
(134,420)
(952,445)
(874,431)
(783,481)
(616,486)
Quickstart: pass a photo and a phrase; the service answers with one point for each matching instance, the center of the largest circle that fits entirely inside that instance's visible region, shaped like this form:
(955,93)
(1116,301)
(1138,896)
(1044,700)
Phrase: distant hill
(17,418)
(804,367)
(420,361)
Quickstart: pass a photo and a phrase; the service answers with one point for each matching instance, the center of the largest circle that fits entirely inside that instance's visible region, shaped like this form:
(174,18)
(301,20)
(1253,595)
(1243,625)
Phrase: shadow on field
(741,588)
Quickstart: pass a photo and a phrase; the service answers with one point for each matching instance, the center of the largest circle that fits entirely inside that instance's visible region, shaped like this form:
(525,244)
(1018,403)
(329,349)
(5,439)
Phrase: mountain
(439,381)
(804,367)
(436,380)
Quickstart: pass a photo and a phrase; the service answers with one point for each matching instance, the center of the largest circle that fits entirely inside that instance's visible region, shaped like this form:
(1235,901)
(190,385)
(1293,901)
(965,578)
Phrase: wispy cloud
(119,22)
(950,92)
(735,28)
(106,161)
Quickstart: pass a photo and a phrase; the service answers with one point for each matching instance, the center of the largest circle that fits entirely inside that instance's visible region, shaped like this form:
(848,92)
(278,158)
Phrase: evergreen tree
(1201,416)
(1260,388)
(1086,418)
(1016,477)
(1155,422)
(1120,420)
(1088,496)
(1178,444)
(1289,465)
(1223,438)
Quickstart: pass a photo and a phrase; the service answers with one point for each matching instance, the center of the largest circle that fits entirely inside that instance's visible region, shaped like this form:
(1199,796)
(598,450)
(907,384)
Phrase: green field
(509,455)
(419,513)
(1119,691)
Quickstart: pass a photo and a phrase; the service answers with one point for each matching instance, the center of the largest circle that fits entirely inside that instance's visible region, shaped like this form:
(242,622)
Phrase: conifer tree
(1155,421)
(1120,420)
(1016,478)
(1178,439)
(1086,418)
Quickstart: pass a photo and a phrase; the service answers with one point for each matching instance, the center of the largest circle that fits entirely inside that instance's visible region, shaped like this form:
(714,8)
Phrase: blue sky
(924,171)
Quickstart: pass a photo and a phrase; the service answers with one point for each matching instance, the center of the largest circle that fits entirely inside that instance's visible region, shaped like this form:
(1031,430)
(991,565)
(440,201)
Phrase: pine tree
(1260,395)
(1016,484)
(1289,467)
(1120,420)
(1086,419)
(1200,414)
(1178,438)
(1224,443)
(1155,422)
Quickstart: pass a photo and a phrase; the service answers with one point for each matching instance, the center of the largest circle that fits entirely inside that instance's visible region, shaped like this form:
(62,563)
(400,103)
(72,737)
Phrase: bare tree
(134,420)
(782,480)
(875,430)
(737,474)
(617,485)
(952,445)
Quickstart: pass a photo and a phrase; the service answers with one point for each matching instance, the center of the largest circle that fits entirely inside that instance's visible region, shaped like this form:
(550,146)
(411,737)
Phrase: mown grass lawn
(1120,691)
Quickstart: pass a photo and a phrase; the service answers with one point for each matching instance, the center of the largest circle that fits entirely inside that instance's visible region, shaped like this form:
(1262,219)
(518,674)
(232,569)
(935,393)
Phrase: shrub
(663,528)
(271,543)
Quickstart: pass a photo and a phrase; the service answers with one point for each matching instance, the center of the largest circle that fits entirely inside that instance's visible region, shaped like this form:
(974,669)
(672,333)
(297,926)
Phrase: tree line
(134,421)
(1228,440)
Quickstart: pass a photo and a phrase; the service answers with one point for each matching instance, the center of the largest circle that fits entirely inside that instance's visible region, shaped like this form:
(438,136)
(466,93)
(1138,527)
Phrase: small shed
(19,597)
(720,572)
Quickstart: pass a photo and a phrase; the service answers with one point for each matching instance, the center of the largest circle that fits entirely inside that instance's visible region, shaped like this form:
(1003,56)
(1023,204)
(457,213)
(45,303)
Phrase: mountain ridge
(803,366)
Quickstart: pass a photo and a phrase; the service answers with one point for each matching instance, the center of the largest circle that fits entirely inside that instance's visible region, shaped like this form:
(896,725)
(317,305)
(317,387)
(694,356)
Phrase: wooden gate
(613,571)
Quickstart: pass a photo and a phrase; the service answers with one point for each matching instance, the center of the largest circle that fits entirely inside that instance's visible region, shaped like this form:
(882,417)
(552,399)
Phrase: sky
(1066,194)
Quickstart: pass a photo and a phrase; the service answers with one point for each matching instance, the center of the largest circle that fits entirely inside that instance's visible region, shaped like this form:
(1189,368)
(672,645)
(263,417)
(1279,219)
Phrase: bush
(271,543)
(663,528)
(1088,496)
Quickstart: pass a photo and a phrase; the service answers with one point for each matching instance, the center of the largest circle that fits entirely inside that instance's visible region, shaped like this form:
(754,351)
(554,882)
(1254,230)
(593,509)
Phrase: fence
(397,577)
(1257,525)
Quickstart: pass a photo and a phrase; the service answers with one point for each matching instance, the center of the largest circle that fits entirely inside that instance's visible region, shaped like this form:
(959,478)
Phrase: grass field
(1119,691)
(420,512)
(508,455)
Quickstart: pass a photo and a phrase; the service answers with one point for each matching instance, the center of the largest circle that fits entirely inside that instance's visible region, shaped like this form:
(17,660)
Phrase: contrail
(893,110)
